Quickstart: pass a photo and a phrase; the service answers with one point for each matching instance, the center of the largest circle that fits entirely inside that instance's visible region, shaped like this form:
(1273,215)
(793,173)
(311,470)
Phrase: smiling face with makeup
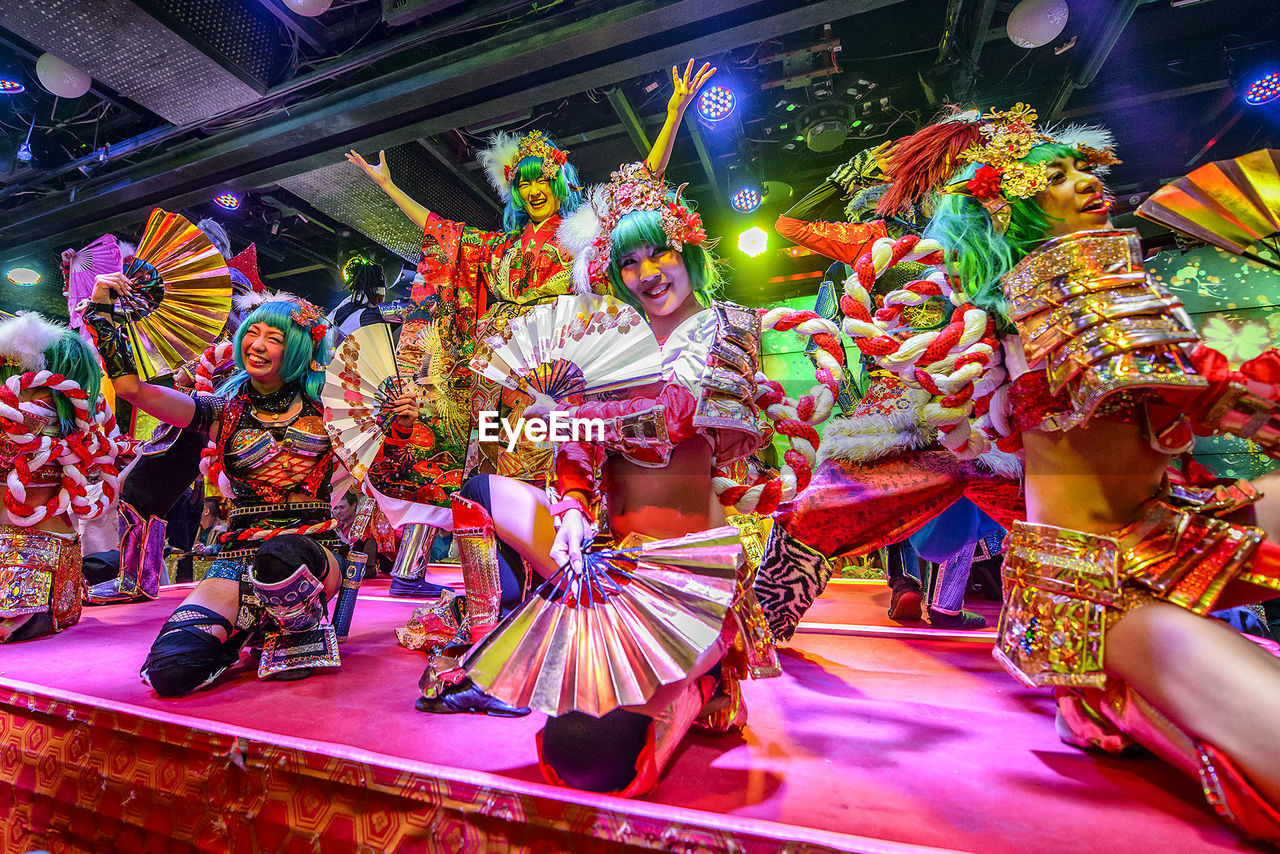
(539,199)
(262,350)
(1075,199)
(658,278)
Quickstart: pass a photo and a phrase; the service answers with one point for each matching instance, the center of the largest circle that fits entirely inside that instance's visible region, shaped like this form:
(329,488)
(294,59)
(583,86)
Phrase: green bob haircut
(299,350)
(72,357)
(644,228)
(565,188)
(977,254)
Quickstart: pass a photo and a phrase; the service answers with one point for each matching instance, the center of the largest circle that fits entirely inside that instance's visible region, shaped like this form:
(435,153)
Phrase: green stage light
(753,242)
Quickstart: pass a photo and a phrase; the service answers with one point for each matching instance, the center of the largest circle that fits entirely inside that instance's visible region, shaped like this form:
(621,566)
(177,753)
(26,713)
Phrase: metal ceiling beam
(630,121)
(1145,98)
(708,166)
(445,160)
(537,63)
(1107,36)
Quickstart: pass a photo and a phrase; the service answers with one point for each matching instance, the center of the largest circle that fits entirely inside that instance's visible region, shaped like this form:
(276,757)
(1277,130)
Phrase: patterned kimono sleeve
(447,284)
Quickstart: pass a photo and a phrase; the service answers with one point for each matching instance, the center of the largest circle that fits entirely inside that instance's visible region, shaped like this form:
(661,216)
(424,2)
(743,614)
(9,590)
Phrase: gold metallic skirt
(40,579)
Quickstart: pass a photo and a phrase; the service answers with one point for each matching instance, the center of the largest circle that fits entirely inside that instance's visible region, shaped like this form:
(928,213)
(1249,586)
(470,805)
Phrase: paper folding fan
(574,346)
(181,295)
(1232,204)
(99,257)
(359,385)
(634,619)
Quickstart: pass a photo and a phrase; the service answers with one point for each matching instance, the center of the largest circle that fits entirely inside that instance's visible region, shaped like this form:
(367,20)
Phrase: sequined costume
(707,392)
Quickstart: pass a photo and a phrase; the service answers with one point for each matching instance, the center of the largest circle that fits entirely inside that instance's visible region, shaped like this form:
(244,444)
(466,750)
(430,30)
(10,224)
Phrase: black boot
(466,698)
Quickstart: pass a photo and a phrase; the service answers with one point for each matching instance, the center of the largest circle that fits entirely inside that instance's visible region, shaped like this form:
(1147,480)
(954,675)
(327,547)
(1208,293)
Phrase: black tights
(510,567)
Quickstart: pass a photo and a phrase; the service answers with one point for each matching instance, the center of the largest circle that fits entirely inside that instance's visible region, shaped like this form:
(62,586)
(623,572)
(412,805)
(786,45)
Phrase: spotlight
(11,87)
(24,276)
(227,201)
(1263,89)
(716,103)
(745,190)
(745,200)
(753,242)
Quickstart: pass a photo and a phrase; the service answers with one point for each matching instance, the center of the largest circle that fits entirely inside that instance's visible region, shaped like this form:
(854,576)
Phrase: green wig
(299,350)
(977,254)
(67,354)
(644,228)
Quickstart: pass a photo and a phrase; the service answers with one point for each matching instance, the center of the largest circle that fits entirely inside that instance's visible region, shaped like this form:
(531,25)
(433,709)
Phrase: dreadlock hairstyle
(365,280)
(565,188)
(301,351)
(977,253)
(644,228)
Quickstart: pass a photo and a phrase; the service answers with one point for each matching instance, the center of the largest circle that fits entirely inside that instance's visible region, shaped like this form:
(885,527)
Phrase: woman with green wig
(58,458)
(1092,370)
(271,457)
(471,282)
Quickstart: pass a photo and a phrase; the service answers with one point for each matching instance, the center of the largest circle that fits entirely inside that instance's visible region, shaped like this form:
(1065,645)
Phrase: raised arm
(166,404)
(381,176)
(686,89)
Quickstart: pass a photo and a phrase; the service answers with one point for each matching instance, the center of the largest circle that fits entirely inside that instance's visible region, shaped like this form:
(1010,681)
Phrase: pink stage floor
(873,736)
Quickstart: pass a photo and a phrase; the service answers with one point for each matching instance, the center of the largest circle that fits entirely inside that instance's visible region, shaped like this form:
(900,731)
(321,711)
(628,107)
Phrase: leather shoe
(467,698)
(906,600)
(963,620)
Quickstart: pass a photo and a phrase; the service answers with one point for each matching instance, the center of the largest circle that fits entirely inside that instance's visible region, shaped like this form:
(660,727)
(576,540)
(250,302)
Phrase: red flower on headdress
(506,172)
(559,156)
(985,183)
(318,331)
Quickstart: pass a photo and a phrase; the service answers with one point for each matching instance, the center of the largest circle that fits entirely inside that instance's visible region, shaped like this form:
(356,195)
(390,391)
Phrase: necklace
(275,402)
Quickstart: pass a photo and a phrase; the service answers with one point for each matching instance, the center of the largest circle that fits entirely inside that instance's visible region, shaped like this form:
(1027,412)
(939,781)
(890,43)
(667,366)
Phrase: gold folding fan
(1232,204)
(181,295)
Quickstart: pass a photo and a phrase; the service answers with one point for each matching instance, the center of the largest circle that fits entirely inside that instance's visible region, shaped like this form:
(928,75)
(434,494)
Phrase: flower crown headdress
(588,234)
(505,152)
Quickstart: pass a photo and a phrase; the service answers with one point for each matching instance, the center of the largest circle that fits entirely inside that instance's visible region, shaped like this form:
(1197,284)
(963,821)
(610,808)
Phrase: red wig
(921,162)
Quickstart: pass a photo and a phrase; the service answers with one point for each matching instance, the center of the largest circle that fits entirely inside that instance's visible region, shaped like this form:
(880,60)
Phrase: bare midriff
(671,501)
(1094,478)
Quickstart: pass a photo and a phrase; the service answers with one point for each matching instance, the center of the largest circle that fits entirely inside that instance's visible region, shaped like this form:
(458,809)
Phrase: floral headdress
(505,152)
(588,234)
(997,142)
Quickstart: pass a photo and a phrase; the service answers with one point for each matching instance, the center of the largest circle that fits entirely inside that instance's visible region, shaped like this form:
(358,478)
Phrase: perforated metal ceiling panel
(130,51)
(244,37)
(343,192)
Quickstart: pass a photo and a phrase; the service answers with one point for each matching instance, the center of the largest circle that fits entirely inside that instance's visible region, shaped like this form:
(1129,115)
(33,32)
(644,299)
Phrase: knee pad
(595,754)
(279,557)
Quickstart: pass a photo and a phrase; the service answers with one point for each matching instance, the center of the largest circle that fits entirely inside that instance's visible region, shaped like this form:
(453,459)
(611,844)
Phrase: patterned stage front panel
(77,778)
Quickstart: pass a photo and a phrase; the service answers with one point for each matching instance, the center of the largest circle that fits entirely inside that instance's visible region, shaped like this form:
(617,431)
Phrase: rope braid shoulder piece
(960,365)
(87,456)
(795,419)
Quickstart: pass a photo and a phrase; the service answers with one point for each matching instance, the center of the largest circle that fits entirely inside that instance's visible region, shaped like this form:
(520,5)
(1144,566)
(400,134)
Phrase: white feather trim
(864,438)
(577,236)
(25,337)
(495,159)
(1001,463)
(247,302)
(1090,136)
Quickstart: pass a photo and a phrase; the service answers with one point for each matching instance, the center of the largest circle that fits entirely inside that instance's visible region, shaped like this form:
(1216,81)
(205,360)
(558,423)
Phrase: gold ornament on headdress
(536,144)
(1009,137)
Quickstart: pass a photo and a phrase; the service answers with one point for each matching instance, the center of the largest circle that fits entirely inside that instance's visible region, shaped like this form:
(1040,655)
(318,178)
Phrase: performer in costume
(270,455)
(651,476)
(1108,584)
(169,461)
(368,286)
(470,282)
(869,448)
(59,449)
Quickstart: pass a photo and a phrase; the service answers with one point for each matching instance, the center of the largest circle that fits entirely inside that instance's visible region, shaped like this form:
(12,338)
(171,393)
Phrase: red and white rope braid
(86,457)
(214,360)
(960,364)
(795,419)
(263,534)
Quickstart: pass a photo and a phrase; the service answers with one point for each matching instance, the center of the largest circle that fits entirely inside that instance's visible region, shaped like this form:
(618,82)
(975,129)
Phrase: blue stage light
(227,201)
(9,86)
(745,200)
(1263,89)
(716,103)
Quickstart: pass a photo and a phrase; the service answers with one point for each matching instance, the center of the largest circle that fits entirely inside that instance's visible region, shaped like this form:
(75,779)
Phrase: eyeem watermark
(556,427)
